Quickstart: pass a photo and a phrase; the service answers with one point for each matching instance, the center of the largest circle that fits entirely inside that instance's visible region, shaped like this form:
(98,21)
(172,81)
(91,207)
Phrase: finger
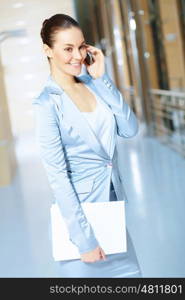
(90,46)
(103,254)
(93,49)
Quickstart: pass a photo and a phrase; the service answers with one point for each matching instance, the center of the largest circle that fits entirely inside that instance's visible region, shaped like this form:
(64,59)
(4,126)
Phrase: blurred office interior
(144,46)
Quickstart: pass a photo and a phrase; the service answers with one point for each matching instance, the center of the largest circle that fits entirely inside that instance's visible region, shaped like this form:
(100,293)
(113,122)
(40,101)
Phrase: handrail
(167,93)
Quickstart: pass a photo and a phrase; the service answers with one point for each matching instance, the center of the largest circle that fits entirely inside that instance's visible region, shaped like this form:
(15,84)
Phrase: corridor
(153,176)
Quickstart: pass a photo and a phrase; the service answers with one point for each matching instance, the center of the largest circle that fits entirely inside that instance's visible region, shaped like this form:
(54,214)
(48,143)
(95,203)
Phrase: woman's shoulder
(48,88)
(42,98)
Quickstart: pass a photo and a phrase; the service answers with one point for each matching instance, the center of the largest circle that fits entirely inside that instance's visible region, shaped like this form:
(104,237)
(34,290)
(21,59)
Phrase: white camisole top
(101,121)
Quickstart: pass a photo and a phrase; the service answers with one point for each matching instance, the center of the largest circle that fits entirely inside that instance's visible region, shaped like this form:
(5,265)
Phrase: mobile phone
(89,58)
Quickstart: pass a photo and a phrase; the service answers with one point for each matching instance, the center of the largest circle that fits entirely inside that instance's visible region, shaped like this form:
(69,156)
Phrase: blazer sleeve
(127,123)
(52,156)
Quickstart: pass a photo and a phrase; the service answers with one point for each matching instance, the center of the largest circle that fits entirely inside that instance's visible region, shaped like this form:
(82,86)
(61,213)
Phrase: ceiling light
(17,5)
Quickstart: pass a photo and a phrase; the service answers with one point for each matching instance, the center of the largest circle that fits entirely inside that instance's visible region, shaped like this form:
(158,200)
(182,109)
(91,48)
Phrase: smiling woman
(78,150)
(65,60)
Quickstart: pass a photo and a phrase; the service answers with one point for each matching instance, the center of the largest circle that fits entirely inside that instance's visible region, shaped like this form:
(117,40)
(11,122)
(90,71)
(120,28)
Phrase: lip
(77,65)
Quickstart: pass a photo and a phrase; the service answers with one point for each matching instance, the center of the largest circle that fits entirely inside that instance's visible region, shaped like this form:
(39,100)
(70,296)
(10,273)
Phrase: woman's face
(68,52)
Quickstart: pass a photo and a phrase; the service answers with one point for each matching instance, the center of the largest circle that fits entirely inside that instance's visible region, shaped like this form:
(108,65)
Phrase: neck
(65,81)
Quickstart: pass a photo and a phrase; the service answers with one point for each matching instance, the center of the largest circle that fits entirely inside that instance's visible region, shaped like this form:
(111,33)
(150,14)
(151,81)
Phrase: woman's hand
(94,255)
(97,69)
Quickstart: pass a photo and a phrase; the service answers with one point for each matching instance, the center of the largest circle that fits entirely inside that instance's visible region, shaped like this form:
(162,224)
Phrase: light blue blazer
(77,166)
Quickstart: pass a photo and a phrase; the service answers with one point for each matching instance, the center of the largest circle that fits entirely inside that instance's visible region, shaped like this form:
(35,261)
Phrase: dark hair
(52,25)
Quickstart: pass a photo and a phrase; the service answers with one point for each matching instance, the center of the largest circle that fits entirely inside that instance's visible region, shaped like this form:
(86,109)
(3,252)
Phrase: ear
(47,50)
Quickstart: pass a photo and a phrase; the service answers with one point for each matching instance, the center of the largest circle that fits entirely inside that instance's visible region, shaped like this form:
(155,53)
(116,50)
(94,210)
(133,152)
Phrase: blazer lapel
(72,115)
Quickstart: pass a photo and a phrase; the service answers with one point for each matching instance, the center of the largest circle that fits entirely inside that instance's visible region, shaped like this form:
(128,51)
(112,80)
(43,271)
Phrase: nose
(77,55)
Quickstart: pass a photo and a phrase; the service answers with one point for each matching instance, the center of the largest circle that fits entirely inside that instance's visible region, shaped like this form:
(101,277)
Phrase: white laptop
(107,220)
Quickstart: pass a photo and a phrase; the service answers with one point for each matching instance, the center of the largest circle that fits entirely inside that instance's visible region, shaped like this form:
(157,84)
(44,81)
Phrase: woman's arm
(52,156)
(127,124)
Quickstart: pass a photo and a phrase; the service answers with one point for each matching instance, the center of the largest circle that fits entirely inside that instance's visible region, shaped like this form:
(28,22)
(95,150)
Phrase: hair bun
(45,21)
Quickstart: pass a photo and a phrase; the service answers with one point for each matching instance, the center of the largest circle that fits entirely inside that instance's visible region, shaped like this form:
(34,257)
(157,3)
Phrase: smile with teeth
(75,64)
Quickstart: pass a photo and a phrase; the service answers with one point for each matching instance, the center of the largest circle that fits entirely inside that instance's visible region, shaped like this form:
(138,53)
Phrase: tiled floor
(154,179)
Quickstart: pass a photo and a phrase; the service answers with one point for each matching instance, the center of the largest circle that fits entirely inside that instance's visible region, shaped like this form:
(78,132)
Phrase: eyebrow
(74,45)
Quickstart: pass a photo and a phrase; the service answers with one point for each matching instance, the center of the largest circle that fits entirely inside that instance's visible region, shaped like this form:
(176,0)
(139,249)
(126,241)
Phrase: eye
(67,49)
